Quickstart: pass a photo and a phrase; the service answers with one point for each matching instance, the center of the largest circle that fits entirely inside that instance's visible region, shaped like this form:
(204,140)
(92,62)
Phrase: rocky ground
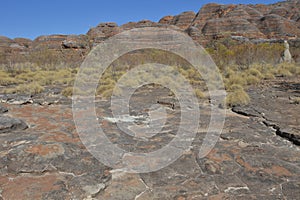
(256,157)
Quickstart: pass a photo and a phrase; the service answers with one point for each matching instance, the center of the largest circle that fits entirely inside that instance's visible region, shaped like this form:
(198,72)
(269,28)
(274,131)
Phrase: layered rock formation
(276,22)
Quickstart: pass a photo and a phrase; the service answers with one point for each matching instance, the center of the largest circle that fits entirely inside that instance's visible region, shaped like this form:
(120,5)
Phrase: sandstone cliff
(254,22)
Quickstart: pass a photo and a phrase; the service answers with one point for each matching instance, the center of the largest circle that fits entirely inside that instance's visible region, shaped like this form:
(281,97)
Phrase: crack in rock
(283,134)
(278,130)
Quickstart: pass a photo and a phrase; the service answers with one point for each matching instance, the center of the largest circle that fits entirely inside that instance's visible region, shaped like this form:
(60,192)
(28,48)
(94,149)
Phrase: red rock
(128,26)
(275,21)
(262,8)
(145,23)
(166,20)
(183,20)
(49,42)
(207,12)
(5,41)
(49,151)
(253,13)
(29,187)
(76,42)
(281,11)
(194,32)
(276,26)
(23,42)
(238,12)
(233,26)
(103,30)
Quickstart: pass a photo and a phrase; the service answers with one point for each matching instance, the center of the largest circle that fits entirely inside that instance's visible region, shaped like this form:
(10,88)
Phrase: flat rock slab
(49,161)
(275,105)
(3,109)
(8,124)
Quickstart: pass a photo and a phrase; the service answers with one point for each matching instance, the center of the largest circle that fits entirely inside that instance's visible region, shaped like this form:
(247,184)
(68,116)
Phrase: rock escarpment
(277,21)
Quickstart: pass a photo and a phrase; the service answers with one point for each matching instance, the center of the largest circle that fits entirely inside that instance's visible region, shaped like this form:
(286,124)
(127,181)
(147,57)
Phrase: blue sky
(31,18)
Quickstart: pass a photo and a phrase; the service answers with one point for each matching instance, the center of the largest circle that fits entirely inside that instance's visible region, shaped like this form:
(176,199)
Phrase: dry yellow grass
(6,79)
(241,65)
(31,88)
(199,94)
(237,96)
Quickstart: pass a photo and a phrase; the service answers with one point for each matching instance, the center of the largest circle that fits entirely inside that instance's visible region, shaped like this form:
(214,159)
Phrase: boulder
(145,23)
(286,57)
(24,42)
(166,20)
(128,26)
(3,109)
(49,42)
(103,30)
(76,42)
(8,124)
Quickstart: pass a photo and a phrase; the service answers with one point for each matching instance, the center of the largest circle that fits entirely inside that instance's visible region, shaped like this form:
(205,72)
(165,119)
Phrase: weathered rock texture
(250,160)
(276,21)
(276,106)
(3,109)
(8,124)
(286,57)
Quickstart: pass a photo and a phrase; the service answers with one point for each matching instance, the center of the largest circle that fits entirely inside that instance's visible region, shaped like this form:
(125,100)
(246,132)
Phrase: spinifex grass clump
(45,77)
(32,79)
(7,79)
(240,77)
(31,88)
(237,96)
(287,69)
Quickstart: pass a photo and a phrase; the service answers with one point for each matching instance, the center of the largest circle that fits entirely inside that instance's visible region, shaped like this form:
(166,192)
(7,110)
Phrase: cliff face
(276,21)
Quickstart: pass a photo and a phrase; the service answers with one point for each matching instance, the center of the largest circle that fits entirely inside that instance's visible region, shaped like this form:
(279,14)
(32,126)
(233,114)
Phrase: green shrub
(226,52)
